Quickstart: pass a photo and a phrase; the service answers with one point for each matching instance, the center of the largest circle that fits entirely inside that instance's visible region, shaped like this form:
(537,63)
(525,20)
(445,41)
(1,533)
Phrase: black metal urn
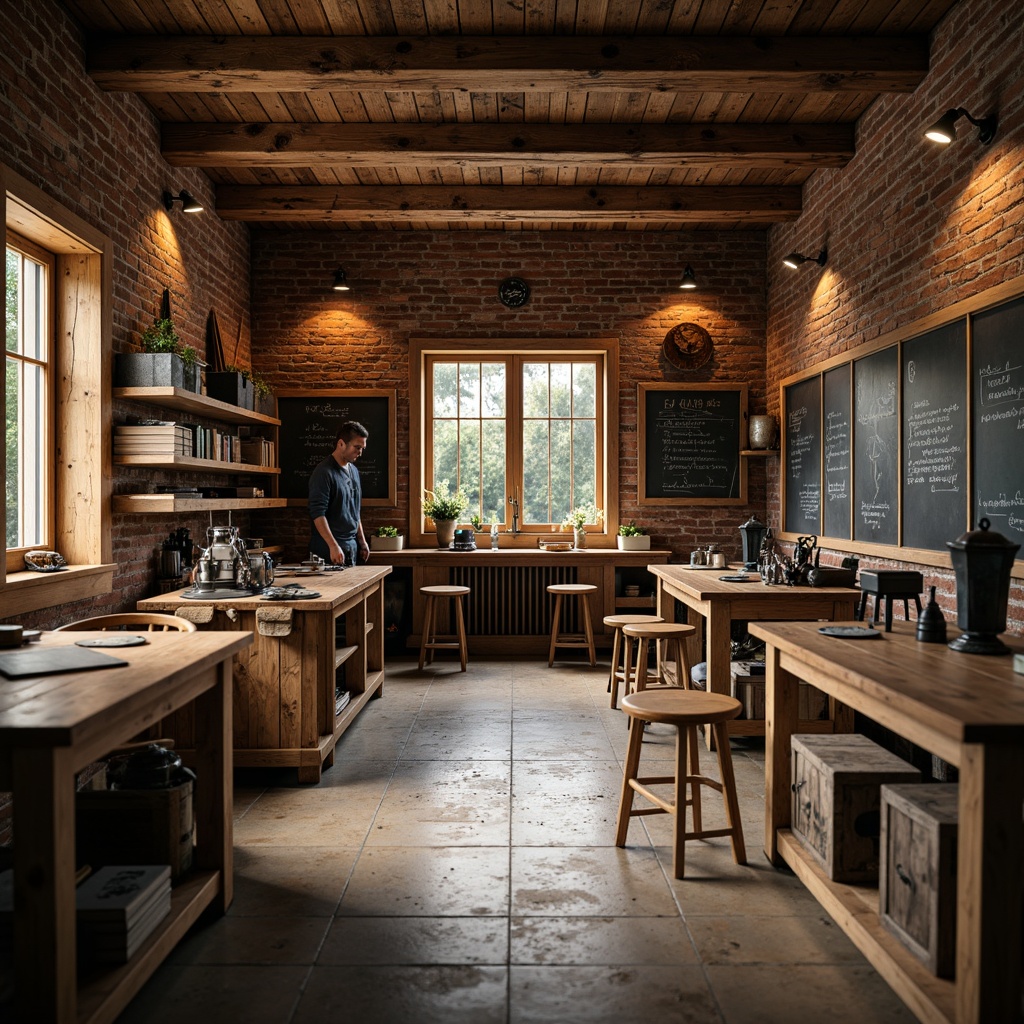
(752,532)
(982,561)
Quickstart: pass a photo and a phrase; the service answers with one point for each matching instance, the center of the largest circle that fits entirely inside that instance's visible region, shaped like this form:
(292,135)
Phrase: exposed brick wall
(444,285)
(911,228)
(98,154)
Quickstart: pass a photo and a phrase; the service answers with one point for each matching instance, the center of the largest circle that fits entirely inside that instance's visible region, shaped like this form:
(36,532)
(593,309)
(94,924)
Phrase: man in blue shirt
(335,499)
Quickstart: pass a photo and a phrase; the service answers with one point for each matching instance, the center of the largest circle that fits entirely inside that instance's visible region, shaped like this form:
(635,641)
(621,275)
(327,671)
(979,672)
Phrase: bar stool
(889,585)
(685,709)
(674,635)
(584,639)
(432,641)
(622,651)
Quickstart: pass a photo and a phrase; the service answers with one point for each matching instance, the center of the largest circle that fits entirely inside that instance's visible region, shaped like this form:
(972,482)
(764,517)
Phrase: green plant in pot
(445,508)
(387,538)
(577,518)
(163,362)
(632,537)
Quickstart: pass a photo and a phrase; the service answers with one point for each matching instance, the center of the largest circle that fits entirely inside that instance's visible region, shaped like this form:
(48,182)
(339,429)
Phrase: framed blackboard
(802,433)
(997,419)
(690,444)
(309,422)
(838,462)
(875,447)
(933,375)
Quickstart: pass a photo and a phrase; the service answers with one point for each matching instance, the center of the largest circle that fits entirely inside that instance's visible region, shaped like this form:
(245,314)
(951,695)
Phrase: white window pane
(494,497)
(446,452)
(469,465)
(12,281)
(469,389)
(562,496)
(561,389)
(584,389)
(446,397)
(535,389)
(492,389)
(536,482)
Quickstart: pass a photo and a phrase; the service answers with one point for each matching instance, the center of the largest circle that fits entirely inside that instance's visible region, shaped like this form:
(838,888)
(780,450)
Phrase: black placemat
(51,660)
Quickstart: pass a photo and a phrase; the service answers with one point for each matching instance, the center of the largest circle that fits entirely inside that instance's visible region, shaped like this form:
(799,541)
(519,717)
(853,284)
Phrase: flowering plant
(577,517)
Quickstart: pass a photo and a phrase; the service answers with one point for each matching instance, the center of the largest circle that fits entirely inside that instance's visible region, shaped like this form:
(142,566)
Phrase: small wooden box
(748,687)
(836,800)
(917,876)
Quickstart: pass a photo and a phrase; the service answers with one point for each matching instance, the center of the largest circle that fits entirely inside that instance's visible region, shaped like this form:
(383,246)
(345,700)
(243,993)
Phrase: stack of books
(153,439)
(119,907)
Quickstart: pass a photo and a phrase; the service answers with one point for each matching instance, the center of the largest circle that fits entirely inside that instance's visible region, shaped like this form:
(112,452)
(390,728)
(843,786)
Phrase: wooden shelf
(197,465)
(200,405)
(759,452)
(168,503)
(342,654)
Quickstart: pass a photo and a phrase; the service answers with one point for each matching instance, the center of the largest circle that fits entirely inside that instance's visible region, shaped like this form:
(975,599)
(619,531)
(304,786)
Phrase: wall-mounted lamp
(795,259)
(340,284)
(689,282)
(944,130)
(189,204)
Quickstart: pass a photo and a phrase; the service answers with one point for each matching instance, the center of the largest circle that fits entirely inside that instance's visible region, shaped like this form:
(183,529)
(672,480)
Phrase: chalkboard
(875,447)
(690,444)
(838,462)
(803,456)
(309,422)
(997,419)
(934,417)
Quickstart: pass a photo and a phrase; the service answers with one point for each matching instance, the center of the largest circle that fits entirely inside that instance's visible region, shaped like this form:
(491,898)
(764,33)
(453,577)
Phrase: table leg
(44,896)
(782,705)
(719,656)
(989,883)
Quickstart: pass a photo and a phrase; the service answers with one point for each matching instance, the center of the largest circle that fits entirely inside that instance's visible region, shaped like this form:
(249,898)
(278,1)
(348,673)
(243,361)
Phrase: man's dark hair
(350,429)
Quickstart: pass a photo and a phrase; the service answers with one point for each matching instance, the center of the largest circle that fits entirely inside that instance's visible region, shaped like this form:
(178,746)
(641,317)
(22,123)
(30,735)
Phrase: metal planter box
(231,387)
(154,370)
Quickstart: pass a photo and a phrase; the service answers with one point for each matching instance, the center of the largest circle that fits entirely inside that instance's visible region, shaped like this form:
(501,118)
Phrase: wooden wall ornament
(688,346)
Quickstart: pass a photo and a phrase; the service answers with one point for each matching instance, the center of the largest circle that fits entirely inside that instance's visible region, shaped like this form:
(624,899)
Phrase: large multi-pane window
(523,426)
(29,388)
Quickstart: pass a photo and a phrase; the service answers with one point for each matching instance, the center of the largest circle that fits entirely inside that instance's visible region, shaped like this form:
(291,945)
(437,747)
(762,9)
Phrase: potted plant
(576,520)
(262,396)
(231,385)
(632,538)
(387,538)
(444,508)
(163,362)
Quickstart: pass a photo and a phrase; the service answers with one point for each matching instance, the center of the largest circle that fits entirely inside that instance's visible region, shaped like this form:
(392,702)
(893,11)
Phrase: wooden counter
(53,726)
(508,610)
(284,704)
(969,710)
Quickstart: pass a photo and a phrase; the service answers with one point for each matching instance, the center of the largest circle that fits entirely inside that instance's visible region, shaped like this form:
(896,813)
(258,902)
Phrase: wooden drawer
(917,876)
(836,800)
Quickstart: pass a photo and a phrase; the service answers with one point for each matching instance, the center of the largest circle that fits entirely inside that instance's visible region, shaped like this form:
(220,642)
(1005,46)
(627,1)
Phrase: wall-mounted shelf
(187,462)
(200,405)
(168,503)
(759,452)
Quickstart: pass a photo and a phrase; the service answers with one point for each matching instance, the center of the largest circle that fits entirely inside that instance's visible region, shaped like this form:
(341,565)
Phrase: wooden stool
(584,639)
(622,652)
(675,635)
(433,641)
(685,709)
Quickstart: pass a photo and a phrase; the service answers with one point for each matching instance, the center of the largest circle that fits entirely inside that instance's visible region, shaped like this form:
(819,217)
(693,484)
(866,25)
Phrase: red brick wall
(98,154)
(911,227)
(444,285)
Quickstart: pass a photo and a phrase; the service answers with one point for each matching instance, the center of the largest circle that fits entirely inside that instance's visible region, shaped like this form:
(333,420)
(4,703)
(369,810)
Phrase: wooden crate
(836,800)
(917,875)
(748,687)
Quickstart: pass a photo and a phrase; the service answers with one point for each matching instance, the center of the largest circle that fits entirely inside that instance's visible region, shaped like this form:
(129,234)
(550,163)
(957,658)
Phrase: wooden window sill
(28,591)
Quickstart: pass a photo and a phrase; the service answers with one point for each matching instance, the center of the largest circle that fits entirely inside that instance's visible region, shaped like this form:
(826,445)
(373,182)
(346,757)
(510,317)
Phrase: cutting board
(51,660)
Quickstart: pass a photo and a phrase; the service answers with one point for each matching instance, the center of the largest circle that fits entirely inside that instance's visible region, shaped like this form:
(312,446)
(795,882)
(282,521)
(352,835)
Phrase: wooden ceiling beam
(388,203)
(747,64)
(289,144)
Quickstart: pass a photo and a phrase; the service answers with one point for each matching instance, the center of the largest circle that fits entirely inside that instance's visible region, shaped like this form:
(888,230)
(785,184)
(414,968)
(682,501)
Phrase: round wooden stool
(433,641)
(685,709)
(560,639)
(674,635)
(622,652)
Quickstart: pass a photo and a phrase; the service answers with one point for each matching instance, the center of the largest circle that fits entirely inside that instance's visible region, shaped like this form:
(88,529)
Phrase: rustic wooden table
(969,710)
(52,726)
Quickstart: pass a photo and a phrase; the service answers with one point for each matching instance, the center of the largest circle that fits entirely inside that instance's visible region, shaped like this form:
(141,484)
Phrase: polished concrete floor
(457,864)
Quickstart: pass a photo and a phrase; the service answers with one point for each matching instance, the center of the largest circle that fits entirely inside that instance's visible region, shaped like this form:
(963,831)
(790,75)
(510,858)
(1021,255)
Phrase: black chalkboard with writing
(875,447)
(802,434)
(309,422)
(933,376)
(837,464)
(690,439)
(997,419)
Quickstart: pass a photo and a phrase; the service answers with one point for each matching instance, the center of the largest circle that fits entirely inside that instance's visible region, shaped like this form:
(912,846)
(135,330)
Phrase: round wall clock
(513,292)
(688,346)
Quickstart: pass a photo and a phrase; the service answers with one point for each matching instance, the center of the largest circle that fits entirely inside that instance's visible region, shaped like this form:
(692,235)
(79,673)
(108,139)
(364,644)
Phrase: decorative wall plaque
(688,346)
(513,292)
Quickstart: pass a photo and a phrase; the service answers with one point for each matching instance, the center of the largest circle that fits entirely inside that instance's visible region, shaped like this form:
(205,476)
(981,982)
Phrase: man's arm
(364,548)
(333,547)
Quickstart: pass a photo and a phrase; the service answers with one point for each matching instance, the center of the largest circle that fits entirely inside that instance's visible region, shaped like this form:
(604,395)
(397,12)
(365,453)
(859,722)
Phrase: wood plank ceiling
(508,114)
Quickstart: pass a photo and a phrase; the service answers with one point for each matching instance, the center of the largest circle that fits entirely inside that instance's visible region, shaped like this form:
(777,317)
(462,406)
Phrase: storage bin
(836,800)
(917,876)
(748,687)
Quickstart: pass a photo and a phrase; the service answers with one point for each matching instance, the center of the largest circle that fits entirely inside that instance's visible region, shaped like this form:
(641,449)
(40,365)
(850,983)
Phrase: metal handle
(796,786)
(905,878)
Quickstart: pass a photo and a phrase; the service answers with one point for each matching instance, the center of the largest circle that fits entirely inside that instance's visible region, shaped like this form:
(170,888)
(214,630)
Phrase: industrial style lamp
(944,130)
(796,259)
(189,203)
(340,284)
(689,282)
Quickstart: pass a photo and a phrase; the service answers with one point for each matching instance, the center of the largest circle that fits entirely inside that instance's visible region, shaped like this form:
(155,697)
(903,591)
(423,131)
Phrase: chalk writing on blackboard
(803,456)
(875,446)
(837,454)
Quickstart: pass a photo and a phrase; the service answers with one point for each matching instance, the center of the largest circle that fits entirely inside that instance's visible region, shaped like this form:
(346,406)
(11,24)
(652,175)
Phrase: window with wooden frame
(523,429)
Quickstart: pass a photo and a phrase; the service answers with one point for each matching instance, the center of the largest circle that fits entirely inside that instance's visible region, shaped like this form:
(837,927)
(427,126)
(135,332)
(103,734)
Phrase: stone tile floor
(457,865)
